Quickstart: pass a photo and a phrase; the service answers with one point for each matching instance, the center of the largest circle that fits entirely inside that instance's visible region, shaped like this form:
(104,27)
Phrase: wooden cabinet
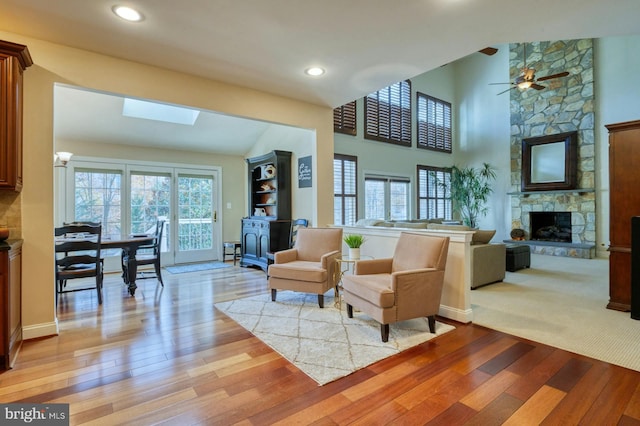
(267,226)
(261,236)
(14,59)
(624,203)
(10,301)
(270,185)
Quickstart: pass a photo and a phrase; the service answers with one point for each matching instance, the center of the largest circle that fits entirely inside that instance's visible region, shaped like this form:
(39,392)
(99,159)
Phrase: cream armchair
(407,286)
(308,267)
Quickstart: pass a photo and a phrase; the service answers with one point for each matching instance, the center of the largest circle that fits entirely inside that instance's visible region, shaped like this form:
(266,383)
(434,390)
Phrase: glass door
(197,234)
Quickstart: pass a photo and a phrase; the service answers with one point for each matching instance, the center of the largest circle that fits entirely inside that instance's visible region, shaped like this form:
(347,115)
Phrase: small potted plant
(354,241)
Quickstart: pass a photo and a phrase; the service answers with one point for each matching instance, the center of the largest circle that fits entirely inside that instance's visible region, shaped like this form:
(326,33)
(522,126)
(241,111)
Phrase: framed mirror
(550,162)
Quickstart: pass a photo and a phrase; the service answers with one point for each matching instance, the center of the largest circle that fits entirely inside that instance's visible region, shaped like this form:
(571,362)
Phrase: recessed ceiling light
(314,71)
(127,13)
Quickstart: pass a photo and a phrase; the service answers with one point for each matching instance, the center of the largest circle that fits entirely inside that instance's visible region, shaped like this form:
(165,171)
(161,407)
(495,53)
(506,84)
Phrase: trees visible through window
(345,190)
(344,119)
(386,197)
(98,198)
(434,198)
(387,114)
(434,123)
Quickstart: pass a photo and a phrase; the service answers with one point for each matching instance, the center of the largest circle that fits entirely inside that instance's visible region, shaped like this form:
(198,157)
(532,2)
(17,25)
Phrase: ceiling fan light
(524,85)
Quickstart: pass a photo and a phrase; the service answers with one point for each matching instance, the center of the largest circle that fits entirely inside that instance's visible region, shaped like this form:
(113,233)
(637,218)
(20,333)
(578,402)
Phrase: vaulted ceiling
(267,44)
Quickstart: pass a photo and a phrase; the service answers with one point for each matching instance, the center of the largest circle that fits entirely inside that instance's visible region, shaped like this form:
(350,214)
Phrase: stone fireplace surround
(563,106)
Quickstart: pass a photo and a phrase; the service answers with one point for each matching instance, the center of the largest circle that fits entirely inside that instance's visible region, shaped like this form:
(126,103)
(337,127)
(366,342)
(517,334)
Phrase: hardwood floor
(167,356)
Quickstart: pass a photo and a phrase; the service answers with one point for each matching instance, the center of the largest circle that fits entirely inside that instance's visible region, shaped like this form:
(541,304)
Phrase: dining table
(129,245)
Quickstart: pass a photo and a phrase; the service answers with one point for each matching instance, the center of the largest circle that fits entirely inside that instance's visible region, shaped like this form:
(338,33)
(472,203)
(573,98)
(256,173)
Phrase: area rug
(324,343)
(195,267)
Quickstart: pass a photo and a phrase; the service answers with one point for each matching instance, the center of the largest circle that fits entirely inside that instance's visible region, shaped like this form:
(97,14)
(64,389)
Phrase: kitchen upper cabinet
(14,60)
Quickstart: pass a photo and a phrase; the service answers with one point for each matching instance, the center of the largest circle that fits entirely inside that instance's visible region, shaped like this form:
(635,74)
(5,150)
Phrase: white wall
(483,128)
(617,94)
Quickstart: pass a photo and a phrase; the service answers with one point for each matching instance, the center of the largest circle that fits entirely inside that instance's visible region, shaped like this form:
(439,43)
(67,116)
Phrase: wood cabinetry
(10,301)
(267,227)
(270,185)
(624,203)
(261,236)
(14,59)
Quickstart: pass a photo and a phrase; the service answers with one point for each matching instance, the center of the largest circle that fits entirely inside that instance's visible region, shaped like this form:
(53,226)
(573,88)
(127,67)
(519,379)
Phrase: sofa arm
(488,263)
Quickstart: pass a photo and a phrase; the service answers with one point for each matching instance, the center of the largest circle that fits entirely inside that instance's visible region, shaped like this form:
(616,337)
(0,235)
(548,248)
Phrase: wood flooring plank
(506,358)
(496,412)
(489,390)
(580,397)
(570,374)
(633,408)
(536,408)
(530,383)
(168,356)
(613,398)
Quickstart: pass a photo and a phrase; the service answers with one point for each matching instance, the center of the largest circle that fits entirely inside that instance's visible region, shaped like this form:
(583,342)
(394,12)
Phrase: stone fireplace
(564,106)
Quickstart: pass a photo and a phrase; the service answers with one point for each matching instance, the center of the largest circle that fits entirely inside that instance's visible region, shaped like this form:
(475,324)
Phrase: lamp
(61,158)
(524,85)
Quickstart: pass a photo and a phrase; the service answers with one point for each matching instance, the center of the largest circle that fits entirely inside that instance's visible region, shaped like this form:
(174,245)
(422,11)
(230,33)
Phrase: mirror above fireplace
(550,162)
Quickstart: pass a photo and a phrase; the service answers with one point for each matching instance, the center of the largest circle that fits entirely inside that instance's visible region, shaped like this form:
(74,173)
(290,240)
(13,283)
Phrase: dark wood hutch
(267,226)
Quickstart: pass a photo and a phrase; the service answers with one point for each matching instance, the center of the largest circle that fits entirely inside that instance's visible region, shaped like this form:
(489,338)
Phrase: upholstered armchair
(408,285)
(309,266)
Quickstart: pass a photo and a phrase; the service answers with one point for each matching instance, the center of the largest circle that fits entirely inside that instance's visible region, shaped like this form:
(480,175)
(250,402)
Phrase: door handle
(215,215)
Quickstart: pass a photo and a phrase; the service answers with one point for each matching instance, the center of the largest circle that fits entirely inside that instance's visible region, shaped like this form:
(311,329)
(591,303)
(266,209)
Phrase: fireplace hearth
(550,226)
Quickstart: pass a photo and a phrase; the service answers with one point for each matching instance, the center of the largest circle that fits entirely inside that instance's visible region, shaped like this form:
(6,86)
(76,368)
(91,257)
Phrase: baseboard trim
(40,330)
(464,316)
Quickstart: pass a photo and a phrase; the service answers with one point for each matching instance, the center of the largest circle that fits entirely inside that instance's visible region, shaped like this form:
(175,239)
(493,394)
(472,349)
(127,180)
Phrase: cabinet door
(250,242)
(11,127)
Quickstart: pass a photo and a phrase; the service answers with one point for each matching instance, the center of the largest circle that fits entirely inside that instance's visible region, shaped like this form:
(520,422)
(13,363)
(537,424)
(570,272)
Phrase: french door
(129,199)
(197,237)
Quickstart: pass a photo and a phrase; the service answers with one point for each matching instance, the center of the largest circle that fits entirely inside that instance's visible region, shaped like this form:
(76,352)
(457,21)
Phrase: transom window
(387,114)
(345,211)
(434,197)
(344,119)
(434,123)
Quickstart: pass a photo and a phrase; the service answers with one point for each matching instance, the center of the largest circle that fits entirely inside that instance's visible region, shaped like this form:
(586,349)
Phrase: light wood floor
(167,356)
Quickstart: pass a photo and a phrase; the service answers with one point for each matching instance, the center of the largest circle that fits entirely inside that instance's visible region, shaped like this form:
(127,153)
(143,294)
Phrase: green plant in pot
(470,189)
(354,241)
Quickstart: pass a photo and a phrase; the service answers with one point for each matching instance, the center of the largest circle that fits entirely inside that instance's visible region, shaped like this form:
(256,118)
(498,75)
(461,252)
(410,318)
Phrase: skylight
(159,112)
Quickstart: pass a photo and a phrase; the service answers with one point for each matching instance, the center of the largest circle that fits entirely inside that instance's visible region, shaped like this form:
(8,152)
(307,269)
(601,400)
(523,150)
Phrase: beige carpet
(561,302)
(324,343)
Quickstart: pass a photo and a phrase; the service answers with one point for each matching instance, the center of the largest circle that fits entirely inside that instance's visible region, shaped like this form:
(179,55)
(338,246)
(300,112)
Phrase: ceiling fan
(527,79)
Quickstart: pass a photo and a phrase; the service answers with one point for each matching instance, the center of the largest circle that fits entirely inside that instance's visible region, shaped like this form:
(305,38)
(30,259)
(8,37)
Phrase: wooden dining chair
(77,253)
(151,258)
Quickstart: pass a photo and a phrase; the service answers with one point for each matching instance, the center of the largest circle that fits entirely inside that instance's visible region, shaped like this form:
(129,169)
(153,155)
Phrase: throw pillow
(368,222)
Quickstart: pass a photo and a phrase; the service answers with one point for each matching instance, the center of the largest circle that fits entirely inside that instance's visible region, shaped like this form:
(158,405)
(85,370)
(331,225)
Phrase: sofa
(487,260)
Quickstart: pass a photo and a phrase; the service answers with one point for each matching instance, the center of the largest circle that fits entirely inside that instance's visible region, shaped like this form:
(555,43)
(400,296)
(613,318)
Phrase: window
(98,198)
(150,200)
(434,123)
(386,197)
(387,114)
(344,119)
(345,190)
(434,200)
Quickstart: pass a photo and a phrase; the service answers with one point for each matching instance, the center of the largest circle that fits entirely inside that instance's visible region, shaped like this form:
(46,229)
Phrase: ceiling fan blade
(488,51)
(536,86)
(505,91)
(491,84)
(549,77)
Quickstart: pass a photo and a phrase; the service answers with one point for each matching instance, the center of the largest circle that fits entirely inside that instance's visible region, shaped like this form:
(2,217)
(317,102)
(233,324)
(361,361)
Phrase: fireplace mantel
(559,191)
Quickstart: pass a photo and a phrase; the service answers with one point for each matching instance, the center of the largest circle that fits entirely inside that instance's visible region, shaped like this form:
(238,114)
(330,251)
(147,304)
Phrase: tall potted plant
(470,189)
